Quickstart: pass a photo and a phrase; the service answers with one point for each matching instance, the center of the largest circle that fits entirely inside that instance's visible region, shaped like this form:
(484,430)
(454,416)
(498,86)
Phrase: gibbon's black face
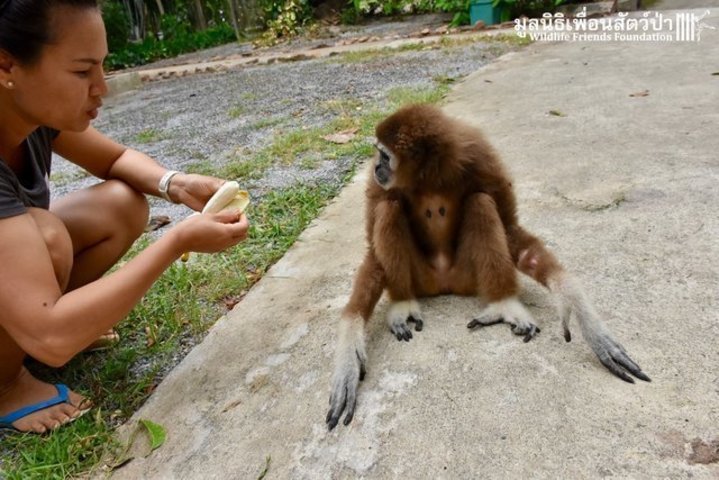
(384,167)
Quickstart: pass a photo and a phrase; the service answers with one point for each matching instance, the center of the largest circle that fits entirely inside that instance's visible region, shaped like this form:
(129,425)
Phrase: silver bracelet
(164,185)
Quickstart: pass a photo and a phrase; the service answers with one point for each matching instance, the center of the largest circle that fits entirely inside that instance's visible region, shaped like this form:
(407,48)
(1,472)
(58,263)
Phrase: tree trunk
(234,10)
(200,16)
(160,8)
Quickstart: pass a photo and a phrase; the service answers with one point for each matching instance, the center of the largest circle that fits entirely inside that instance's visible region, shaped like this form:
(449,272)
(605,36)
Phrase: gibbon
(441,218)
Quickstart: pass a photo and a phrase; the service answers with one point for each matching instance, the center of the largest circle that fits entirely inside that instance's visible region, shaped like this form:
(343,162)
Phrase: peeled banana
(227,197)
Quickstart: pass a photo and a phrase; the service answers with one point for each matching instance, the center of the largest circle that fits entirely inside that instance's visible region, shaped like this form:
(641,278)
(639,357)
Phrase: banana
(227,197)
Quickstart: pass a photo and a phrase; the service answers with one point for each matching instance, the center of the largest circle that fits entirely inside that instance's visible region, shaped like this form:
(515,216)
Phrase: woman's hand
(211,232)
(193,190)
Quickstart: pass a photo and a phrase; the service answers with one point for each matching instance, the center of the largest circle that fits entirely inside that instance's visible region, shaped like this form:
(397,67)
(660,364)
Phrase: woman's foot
(26,390)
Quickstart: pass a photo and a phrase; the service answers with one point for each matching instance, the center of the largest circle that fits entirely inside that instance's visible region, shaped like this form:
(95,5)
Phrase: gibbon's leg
(401,261)
(535,260)
(350,354)
(484,262)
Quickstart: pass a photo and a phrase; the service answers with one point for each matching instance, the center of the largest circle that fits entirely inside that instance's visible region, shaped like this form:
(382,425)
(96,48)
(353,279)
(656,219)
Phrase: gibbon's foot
(399,314)
(615,358)
(343,397)
(509,311)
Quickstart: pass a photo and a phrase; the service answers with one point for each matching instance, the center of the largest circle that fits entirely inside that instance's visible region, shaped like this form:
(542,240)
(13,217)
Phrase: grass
(189,298)
(236,111)
(64,178)
(148,136)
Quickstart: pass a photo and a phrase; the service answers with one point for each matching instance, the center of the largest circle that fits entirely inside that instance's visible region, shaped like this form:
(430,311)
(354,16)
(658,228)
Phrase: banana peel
(227,197)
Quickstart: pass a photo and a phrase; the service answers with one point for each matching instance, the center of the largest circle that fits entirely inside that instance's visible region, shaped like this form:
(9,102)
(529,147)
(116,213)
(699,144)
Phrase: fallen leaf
(342,137)
(231,300)
(157,433)
(643,93)
(557,113)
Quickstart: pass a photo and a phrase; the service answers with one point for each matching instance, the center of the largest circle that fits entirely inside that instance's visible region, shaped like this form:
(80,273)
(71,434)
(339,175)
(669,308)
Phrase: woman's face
(63,89)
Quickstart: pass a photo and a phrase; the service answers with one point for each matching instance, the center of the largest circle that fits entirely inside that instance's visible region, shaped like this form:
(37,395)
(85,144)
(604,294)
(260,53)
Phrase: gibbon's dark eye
(383,157)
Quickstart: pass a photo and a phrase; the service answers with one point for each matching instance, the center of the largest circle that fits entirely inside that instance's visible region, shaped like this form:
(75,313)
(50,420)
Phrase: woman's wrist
(170,184)
(176,185)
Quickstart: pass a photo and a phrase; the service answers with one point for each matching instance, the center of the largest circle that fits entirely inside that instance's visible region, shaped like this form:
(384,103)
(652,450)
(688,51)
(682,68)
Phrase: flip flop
(63,396)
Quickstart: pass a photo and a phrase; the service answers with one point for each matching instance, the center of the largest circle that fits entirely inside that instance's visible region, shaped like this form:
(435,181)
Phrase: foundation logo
(624,27)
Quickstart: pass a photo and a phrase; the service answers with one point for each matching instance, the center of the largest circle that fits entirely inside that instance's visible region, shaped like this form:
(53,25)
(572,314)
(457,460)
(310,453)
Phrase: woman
(54,300)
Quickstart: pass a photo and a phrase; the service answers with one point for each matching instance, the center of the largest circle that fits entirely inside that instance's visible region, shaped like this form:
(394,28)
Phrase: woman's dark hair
(25,25)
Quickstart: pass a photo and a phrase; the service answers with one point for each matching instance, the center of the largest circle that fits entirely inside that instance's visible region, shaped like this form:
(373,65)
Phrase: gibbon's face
(385,166)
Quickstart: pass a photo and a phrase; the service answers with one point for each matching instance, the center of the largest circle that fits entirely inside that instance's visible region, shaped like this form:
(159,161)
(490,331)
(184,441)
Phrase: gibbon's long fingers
(529,331)
(343,398)
(610,352)
(511,312)
(399,314)
(565,313)
(615,358)
(484,322)
(401,331)
(350,359)
(418,323)
(338,400)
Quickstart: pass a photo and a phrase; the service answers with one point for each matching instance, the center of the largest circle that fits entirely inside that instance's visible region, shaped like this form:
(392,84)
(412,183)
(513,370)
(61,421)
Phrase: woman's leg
(86,233)
(103,222)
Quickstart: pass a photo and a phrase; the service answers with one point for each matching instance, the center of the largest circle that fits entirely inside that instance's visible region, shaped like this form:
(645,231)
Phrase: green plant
(117,25)
(532,8)
(284,20)
(177,37)
(459,7)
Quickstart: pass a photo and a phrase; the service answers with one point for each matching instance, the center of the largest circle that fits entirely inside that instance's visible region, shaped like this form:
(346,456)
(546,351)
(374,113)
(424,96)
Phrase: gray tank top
(31,189)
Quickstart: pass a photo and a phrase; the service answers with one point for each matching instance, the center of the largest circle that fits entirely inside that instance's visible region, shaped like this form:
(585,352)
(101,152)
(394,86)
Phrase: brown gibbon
(441,218)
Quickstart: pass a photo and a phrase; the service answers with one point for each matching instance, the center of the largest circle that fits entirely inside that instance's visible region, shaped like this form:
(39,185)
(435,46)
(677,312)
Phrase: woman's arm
(52,326)
(105,158)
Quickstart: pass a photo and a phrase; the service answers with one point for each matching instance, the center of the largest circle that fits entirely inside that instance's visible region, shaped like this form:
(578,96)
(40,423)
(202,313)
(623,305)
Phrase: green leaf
(157,433)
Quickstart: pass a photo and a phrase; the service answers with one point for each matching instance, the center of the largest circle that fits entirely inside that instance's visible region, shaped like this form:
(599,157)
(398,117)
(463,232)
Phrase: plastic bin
(483,10)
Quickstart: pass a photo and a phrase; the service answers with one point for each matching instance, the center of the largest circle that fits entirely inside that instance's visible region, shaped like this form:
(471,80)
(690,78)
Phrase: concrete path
(625,190)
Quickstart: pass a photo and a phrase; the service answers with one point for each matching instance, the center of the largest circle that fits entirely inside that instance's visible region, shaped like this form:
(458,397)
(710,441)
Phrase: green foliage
(117,25)
(531,8)
(177,37)
(460,8)
(284,19)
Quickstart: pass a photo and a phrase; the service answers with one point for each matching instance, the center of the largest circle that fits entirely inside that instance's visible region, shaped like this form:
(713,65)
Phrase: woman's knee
(130,207)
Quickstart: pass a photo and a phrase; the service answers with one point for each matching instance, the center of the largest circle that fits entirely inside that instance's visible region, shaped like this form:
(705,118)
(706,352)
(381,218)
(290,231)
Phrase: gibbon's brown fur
(441,218)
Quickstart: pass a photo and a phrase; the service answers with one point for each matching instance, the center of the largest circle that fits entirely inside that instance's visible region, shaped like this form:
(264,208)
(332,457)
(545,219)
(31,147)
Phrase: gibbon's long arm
(350,354)
(394,249)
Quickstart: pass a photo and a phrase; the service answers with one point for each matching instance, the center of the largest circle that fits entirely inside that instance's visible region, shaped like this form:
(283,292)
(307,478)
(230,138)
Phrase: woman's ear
(7,62)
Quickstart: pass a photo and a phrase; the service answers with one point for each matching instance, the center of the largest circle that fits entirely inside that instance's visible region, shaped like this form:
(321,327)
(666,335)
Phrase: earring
(10,84)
